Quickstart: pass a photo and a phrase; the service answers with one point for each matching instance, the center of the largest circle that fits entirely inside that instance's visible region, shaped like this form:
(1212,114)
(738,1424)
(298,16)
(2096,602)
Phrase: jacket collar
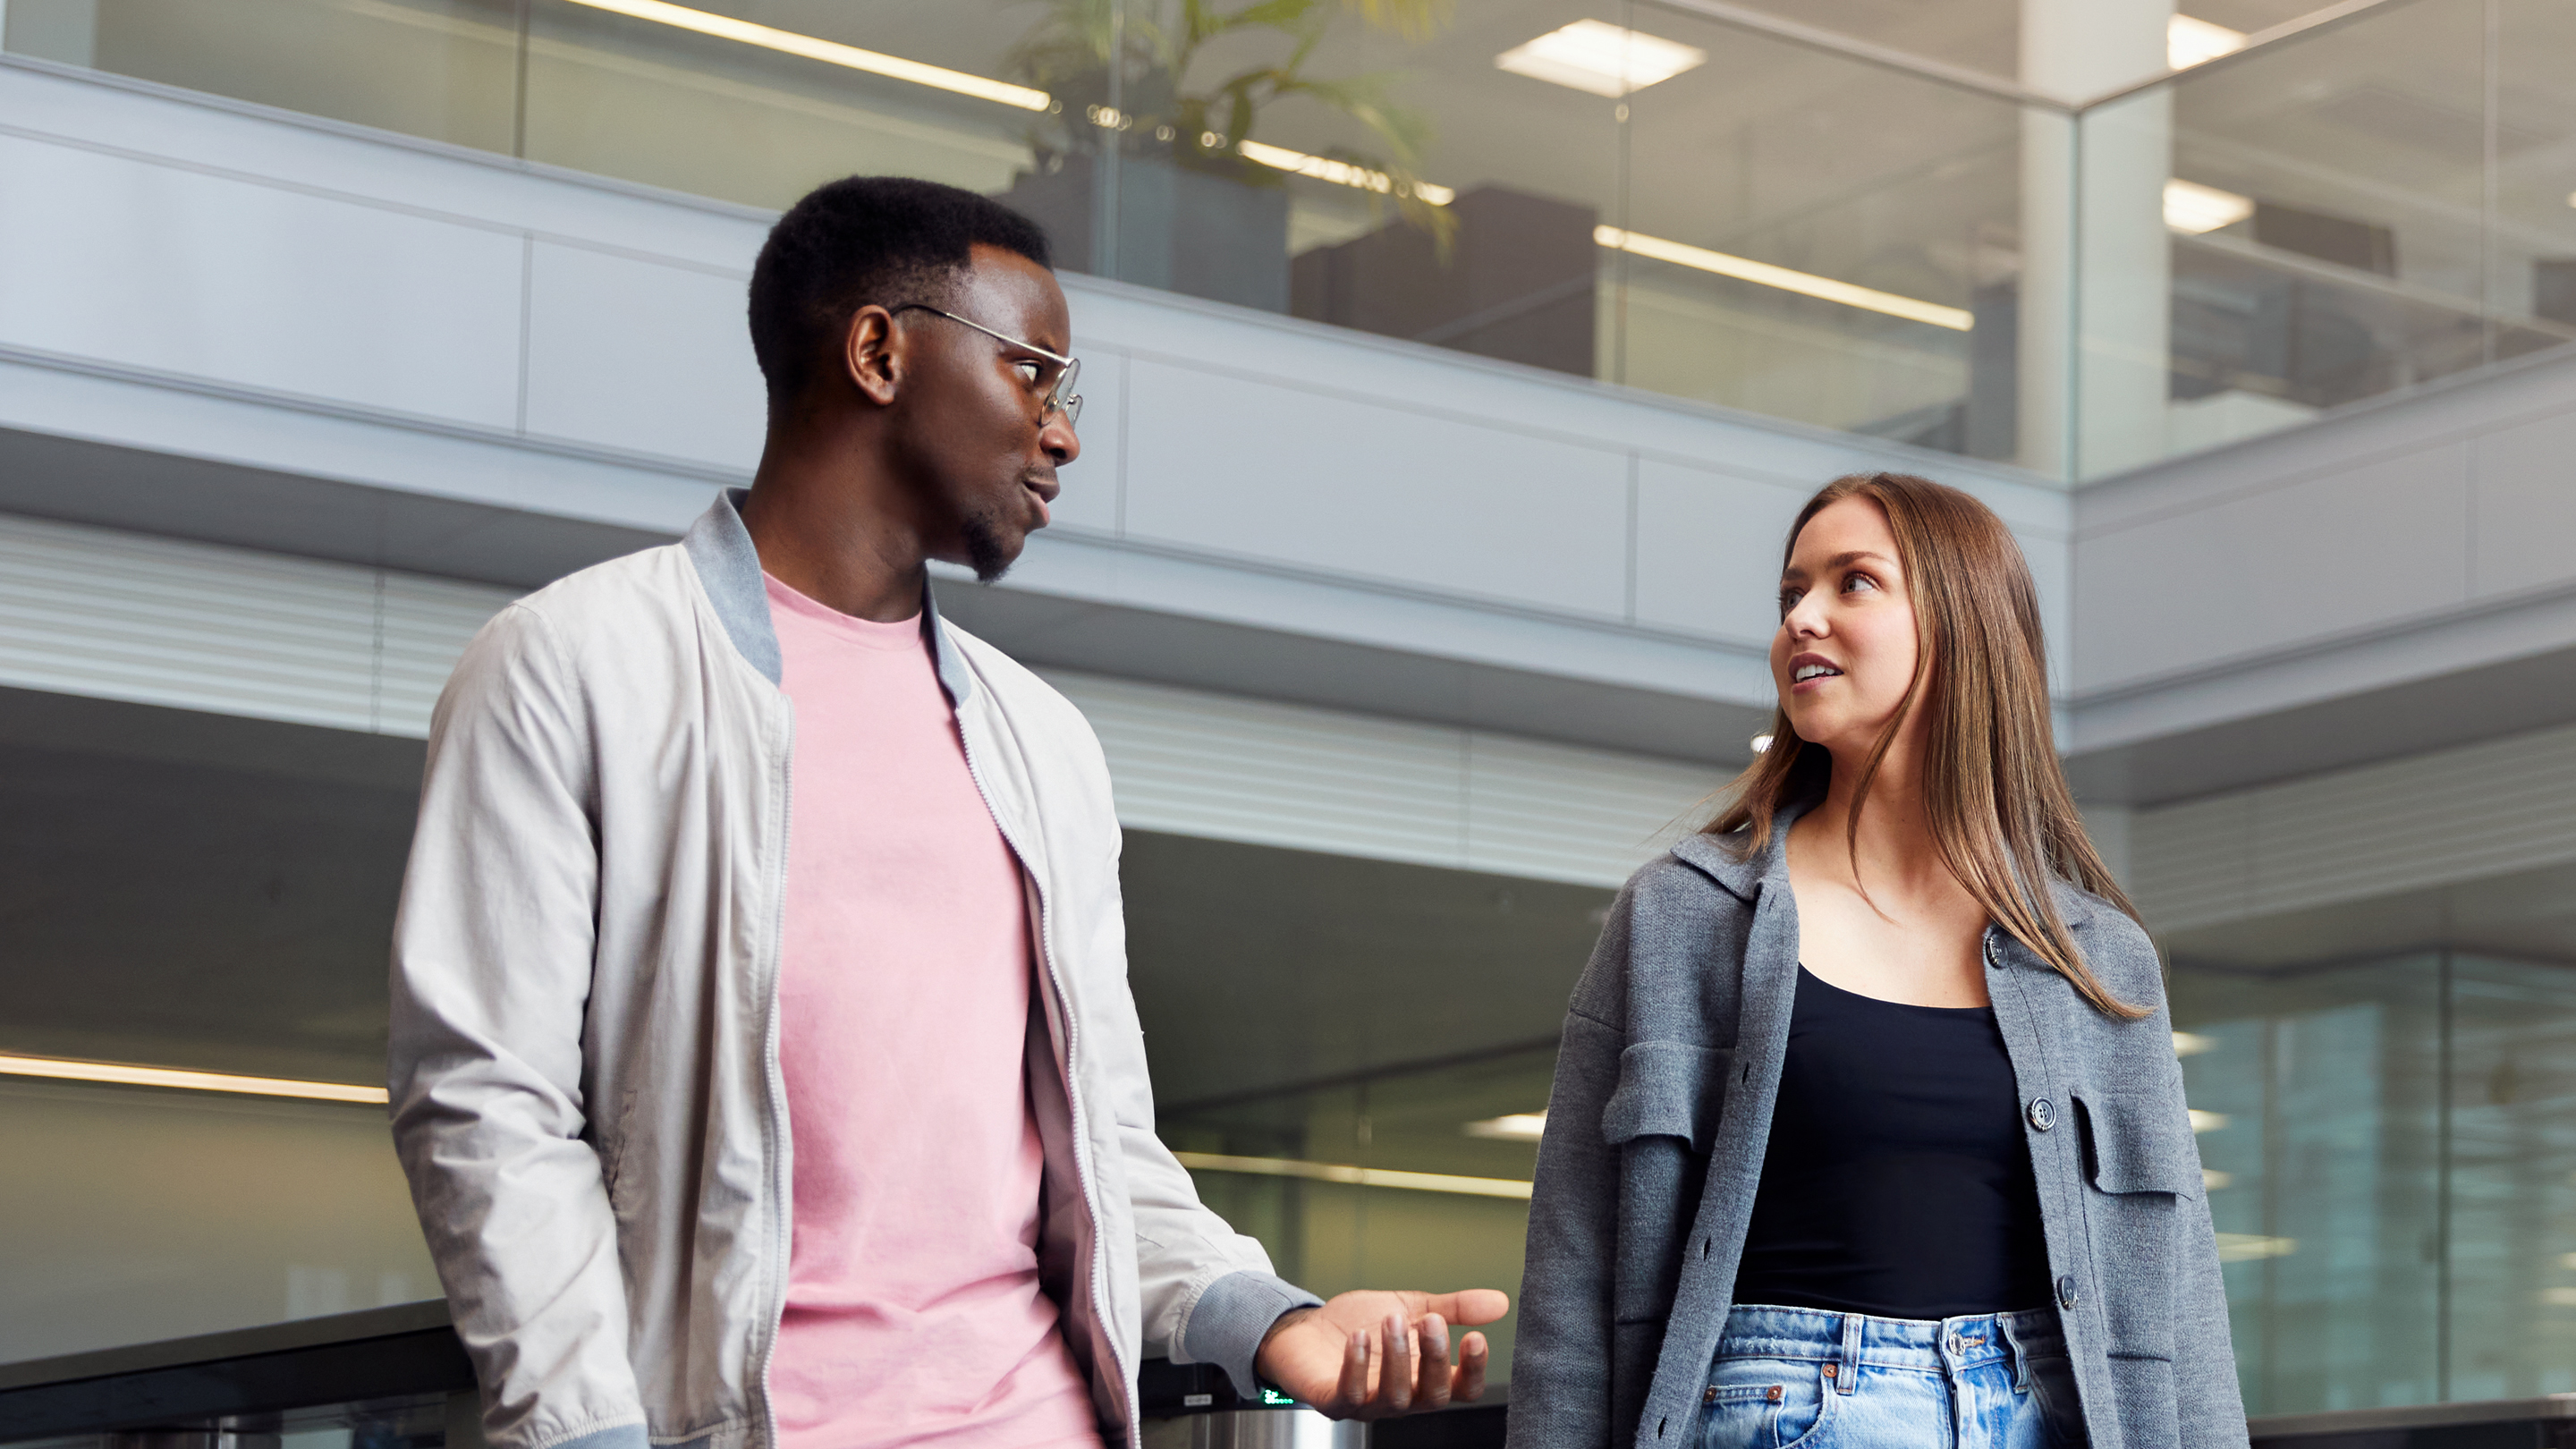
(1718,857)
(729,569)
(1721,857)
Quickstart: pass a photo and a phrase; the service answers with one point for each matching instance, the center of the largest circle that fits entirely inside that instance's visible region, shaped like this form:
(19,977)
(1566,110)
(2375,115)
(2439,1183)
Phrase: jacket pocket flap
(1667,1089)
(2139,1142)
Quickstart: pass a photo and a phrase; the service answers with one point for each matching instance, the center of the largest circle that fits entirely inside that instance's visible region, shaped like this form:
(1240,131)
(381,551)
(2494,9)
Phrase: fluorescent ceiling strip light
(2246,1247)
(725,27)
(1514,1127)
(71,1071)
(1340,173)
(1601,58)
(2190,41)
(1356,1176)
(1957,319)
(2192,208)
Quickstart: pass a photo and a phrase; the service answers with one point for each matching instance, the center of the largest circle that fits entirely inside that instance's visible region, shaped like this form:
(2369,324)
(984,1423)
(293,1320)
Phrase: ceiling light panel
(1604,59)
(2189,41)
(2193,208)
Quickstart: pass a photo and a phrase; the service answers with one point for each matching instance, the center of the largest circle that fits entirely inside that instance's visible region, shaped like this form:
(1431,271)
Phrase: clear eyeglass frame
(1060,398)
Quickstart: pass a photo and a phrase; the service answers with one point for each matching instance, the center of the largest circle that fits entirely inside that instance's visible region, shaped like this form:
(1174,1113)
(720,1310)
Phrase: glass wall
(1622,191)
(1616,192)
(2353,213)
(2390,1149)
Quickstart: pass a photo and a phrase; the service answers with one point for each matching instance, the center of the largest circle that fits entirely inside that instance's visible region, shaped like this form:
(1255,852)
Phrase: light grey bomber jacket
(1661,1116)
(584,1071)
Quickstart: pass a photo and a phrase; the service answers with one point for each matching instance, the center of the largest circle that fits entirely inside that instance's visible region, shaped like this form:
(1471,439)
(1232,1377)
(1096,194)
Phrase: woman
(1867,1128)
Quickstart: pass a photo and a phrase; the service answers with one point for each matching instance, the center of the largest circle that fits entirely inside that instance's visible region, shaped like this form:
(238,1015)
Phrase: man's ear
(873,354)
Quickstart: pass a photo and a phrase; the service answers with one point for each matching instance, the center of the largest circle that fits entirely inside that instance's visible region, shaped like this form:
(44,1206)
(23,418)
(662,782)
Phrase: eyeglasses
(1059,398)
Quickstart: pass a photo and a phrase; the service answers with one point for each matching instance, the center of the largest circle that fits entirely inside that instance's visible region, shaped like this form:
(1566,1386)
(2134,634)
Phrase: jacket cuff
(1232,1317)
(615,1436)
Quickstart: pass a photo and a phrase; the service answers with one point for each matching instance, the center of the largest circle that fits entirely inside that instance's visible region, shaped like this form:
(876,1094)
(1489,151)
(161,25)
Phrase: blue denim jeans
(1820,1380)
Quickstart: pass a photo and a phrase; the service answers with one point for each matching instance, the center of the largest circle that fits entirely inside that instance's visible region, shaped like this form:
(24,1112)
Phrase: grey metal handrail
(2292,1429)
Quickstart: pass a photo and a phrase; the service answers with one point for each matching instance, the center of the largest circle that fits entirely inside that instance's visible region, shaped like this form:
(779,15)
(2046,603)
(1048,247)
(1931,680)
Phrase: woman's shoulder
(1676,913)
(2116,948)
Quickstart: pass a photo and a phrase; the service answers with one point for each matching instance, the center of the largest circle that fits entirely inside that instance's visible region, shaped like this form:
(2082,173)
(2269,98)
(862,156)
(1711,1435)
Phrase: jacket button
(2067,1297)
(2043,1113)
(1994,958)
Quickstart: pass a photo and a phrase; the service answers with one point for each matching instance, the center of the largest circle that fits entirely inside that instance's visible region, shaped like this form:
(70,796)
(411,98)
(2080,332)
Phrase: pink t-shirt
(914,1315)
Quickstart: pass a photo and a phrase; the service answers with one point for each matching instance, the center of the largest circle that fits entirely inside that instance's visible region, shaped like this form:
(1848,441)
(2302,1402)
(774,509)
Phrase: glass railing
(2352,214)
(1717,215)
(1681,201)
(1418,1173)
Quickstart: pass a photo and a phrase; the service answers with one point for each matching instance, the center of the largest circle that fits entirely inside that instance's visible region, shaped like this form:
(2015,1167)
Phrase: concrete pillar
(2096,277)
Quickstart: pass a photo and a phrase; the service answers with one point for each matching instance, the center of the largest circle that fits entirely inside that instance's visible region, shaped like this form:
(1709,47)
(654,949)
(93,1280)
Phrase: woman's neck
(1894,848)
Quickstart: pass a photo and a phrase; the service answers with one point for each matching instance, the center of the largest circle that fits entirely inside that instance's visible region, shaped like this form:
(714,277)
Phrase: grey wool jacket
(1661,1115)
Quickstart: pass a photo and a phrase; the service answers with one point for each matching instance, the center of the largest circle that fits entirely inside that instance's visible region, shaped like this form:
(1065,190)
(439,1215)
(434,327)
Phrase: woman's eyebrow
(1794,574)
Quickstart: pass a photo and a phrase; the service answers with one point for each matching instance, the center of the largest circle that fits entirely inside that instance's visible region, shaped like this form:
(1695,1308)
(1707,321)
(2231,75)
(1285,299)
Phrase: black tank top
(1897,1182)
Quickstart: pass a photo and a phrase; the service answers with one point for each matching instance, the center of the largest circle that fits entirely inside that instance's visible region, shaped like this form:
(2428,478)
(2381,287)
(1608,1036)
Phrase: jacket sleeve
(491,977)
(2211,1406)
(1562,1351)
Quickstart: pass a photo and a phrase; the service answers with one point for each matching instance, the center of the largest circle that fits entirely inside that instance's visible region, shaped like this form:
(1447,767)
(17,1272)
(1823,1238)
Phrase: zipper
(1072,1097)
(783,1196)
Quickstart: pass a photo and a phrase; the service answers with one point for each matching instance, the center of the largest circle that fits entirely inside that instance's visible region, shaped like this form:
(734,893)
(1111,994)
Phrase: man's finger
(1403,1363)
(1471,1368)
(1354,1386)
(1434,1391)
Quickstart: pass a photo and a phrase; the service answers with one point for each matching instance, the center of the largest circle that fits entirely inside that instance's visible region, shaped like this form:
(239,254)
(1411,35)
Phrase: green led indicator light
(1273,1396)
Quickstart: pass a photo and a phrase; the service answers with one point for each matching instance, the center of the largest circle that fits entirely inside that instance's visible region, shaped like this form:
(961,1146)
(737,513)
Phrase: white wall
(2366,561)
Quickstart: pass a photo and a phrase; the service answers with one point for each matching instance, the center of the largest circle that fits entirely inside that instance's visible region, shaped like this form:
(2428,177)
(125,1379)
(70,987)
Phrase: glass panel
(212,894)
(2513,1179)
(445,69)
(1820,240)
(2320,1126)
(2328,209)
(1314,1017)
(2533,274)
(789,94)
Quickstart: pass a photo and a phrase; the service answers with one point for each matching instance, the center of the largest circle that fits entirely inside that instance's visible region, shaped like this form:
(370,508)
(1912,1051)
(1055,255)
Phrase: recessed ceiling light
(2189,41)
(2194,208)
(2192,1043)
(1605,59)
(2207,1121)
(1518,1127)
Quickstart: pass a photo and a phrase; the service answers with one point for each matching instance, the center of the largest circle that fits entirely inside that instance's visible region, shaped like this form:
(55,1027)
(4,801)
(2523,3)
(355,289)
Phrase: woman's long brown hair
(1997,802)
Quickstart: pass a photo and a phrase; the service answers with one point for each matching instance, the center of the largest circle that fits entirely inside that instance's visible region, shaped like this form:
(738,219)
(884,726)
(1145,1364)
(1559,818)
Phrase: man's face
(974,432)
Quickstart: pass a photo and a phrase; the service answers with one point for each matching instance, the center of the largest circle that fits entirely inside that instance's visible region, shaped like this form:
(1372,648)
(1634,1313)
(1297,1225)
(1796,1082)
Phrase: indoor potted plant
(1139,170)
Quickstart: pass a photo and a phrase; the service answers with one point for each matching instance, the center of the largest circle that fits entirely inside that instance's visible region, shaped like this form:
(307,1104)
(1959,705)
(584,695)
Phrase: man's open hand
(1373,1355)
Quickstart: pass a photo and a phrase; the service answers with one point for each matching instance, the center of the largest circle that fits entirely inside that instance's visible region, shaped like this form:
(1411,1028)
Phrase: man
(763,1060)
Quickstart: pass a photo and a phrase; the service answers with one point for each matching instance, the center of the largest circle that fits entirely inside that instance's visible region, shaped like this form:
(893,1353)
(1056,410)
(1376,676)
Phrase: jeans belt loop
(2020,1359)
(1847,1377)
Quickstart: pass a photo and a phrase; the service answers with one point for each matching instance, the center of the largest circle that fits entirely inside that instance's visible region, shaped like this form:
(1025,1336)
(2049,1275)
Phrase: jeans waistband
(1758,1330)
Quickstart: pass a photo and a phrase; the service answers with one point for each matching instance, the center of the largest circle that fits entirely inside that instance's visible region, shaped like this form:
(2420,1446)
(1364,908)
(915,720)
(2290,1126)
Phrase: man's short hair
(862,239)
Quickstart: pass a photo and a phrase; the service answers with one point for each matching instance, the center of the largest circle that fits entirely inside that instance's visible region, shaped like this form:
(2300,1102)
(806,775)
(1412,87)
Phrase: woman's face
(1846,649)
